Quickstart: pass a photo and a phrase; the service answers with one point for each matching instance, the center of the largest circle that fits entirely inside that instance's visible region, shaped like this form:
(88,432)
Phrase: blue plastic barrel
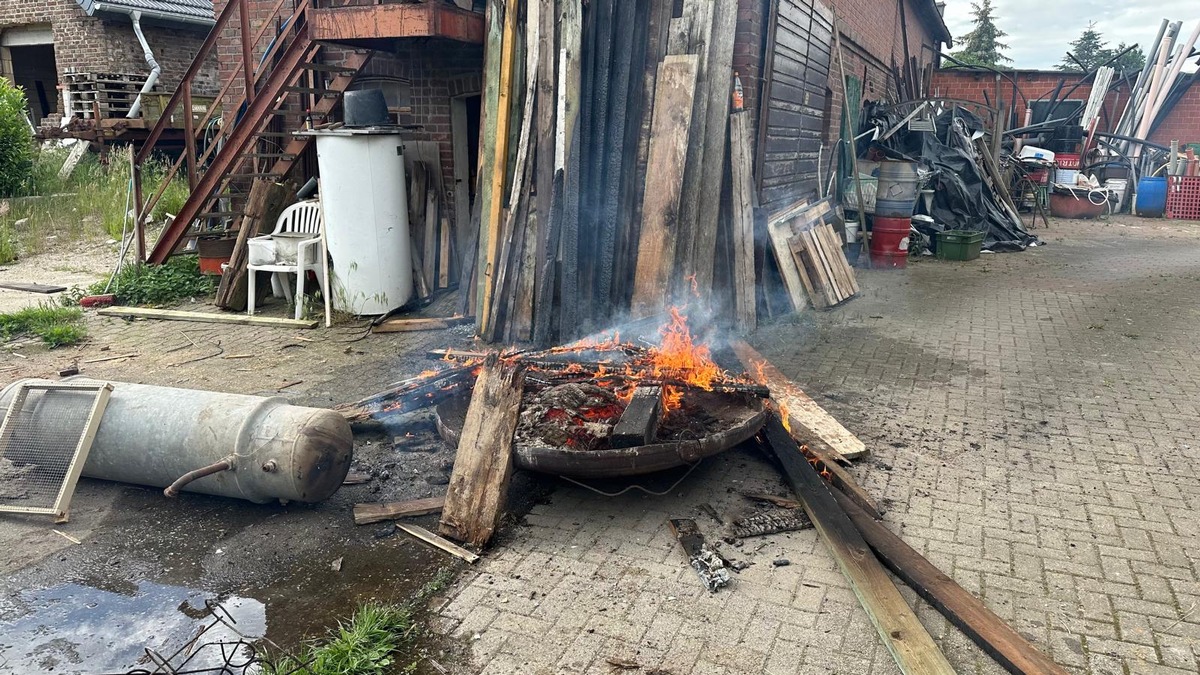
(1151,198)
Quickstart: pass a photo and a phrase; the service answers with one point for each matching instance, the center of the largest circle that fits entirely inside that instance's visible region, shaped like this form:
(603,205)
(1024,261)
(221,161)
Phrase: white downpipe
(155,69)
(1173,73)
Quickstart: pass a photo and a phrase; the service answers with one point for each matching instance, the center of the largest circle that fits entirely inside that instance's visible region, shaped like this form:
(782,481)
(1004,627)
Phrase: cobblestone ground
(1031,423)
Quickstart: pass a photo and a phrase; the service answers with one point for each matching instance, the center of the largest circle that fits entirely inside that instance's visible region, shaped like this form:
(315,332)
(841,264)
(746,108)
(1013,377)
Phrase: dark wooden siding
(799,42)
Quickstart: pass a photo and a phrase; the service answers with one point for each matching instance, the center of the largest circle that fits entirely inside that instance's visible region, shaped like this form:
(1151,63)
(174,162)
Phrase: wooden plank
(32,288)
(808,421)
(808,277)
(779,233)
(462,172)
(815,249)
(438,542)
(964,610)
(569,143)
(430,240)
(742,188)
(639,422)
(693,170)
(204,317)
(77,152)
(547,107)
(493,150)
(444,261)
(910,644)
(708,563)
(418,324)
(364,514)
(674,93)
(781,502)
(483,465)
(837,259)
(720,86)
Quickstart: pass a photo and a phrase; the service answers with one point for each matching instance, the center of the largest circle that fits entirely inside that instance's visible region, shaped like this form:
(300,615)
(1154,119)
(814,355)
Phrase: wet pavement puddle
(74,628)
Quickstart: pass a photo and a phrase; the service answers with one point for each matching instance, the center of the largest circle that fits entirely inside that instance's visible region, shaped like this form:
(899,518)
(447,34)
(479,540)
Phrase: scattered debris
(70,370)
(709,565)
(374,513)
(618,664)
(336,565)
(781,502)
(111,358)
(66,536)
(356,478)
(438,542)
(781,562)
(31,288)
(712,513)
(771,522)
(411,325)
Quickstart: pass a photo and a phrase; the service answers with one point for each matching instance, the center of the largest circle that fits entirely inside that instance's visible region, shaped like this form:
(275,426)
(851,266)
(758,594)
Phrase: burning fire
(680,358)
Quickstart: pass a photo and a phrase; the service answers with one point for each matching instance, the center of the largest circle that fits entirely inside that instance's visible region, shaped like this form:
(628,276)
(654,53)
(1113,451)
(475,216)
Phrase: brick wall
(87,44)
(1031,86)
(1183,122)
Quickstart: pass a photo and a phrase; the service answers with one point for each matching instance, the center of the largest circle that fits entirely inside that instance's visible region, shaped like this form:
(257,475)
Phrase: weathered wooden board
(419,324)
(675,90)
(779,233)
(32,288)
(964,610)
(741,165)
(483,465)
(436,541)
(204,317)
(910,644)
(809,422)
(375,513)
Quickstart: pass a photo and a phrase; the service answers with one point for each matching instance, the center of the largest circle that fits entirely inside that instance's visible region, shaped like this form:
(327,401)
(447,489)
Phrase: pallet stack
(104,94)
(809,254)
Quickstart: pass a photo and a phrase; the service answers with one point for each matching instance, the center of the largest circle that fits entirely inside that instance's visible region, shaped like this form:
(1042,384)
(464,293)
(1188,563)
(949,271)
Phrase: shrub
(16,140)
(175,280)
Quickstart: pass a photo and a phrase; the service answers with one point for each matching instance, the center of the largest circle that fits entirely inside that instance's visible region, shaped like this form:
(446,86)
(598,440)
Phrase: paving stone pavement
(1031,420)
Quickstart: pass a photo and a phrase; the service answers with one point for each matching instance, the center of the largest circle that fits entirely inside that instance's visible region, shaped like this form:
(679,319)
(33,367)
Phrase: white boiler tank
(366,218)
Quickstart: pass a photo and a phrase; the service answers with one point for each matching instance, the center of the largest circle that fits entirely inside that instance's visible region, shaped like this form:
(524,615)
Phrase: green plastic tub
(959,244)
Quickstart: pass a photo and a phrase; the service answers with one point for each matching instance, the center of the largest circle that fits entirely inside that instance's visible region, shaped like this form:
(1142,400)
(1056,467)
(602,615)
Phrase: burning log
(771,522)
(639,422)
(425,389)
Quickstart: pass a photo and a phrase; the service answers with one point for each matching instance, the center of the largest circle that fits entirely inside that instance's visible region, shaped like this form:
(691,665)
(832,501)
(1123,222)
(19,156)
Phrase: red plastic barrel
(889,242)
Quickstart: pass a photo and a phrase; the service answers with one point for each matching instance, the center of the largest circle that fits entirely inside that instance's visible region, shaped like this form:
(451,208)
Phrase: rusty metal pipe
(173,489)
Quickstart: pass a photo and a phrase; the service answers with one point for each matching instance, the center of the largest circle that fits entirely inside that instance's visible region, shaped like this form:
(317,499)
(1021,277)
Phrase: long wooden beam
(909,643)
(426,19)
(964,610)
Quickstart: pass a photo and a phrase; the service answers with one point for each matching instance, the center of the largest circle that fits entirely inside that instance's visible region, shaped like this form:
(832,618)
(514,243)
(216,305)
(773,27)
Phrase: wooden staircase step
(325,68)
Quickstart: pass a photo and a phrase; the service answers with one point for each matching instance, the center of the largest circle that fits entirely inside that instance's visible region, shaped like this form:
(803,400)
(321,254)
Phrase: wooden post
(639,422)
(483,465)
(499,169)
(910,644)
(742,183)
(837,44)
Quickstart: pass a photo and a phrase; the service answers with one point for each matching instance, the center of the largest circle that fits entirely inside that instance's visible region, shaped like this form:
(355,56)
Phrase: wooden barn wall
(792,117)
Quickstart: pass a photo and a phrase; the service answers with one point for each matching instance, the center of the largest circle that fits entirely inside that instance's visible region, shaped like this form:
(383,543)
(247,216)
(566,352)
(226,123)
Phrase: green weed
(177,279)
(56,326)
(371,642)
(16,139)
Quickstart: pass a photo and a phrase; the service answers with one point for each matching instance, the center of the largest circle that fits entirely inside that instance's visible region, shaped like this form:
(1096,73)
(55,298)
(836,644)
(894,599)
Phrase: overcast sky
(1040,31)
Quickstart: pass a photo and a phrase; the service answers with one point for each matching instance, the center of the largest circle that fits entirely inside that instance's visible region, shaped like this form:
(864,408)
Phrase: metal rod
(173,489)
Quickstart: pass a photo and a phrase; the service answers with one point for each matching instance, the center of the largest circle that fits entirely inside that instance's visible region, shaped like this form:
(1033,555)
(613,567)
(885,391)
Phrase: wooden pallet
(809,255)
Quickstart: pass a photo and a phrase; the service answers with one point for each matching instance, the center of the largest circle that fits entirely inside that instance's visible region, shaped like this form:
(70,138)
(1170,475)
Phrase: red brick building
(1182,123)
(42,40)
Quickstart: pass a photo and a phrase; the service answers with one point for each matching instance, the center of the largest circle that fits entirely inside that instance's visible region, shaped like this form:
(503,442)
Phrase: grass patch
(91,203)
(373,641)
(56,326)
(177,279)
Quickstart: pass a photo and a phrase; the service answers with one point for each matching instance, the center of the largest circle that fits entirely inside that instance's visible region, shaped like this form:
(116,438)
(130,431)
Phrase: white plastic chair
(300,218)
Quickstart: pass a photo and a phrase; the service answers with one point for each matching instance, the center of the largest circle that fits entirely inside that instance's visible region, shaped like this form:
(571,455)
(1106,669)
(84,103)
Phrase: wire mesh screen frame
(62,501)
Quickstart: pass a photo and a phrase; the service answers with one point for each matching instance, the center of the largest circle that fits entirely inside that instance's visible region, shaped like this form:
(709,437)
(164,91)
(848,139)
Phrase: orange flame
(680,358)
(785,417)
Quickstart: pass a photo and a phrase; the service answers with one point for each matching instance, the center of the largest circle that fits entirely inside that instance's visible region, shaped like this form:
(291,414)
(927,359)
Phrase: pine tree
(982,46)
(1088,50)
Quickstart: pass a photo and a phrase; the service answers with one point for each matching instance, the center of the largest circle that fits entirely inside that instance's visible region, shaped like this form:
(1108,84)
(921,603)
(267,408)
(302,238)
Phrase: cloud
(1040,32)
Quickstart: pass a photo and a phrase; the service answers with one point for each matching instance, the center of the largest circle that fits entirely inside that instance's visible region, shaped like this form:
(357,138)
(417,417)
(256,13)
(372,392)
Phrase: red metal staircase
(289,82)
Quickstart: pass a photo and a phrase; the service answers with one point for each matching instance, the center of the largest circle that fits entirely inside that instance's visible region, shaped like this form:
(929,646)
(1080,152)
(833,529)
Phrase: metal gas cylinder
(250,447)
